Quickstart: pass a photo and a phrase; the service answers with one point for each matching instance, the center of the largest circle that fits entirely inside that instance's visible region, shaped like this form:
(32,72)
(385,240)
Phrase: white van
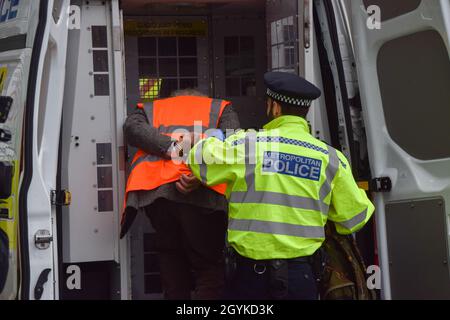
(71,70)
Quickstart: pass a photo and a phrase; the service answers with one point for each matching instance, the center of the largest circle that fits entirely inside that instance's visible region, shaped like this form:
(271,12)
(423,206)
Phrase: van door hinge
(42,239)
(60,197)
(382,184)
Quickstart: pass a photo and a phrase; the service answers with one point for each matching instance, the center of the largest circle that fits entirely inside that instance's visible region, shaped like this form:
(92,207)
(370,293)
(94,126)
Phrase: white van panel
(422,183)
(91,126)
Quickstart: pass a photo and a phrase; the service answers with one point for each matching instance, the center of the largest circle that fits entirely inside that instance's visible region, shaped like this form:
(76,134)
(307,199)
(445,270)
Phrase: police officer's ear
(276,110)
(273,109)
(269,106)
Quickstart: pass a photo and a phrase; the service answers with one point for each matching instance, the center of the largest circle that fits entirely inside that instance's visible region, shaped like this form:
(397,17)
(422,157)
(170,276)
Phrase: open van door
(33,37)
(93,261)
(42,122)
(402,54)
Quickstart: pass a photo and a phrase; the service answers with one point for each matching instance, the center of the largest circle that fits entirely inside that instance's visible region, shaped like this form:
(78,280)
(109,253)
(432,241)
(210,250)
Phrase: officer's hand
(187,184)
(216,133)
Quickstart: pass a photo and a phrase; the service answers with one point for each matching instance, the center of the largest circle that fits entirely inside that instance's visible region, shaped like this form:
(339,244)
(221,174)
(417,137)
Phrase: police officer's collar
(288,120)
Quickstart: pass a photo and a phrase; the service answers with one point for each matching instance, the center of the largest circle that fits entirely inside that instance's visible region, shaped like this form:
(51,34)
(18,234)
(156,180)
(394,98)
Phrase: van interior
(223,49)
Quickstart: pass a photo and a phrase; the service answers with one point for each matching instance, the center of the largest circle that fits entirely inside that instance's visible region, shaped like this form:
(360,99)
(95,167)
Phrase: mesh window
(147,46)
(284,45)
(187,46)
(166,64)
(167,46)
(147,67)
(240,66)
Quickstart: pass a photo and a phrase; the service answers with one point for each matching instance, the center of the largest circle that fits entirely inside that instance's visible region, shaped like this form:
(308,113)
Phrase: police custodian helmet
(291,89)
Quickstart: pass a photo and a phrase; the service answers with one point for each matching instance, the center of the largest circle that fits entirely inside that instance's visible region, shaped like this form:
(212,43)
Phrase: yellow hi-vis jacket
(283,185)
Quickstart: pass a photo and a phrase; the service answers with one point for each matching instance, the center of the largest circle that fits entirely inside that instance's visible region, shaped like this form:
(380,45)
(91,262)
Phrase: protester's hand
(187,184)
(175,151)
(194,137)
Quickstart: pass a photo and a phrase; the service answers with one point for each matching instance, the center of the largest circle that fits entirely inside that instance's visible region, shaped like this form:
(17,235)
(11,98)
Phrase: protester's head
(188,92)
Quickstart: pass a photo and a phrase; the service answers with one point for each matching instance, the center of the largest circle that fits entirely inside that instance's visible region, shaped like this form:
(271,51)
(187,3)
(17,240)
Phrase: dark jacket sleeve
(139,134)
(229,119)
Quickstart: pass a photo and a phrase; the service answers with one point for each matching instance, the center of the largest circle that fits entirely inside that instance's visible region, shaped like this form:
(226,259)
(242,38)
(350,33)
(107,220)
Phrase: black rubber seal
(27,152)
(341,78)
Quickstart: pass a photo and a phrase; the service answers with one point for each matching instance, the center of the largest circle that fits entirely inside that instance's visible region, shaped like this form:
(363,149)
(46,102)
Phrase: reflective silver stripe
(353,222)
(281,199)
(276,228)
(199,160)
(267,197)
(148,108)
(330,173)
(250,162)
(172,129)
(147,158)
(214,113)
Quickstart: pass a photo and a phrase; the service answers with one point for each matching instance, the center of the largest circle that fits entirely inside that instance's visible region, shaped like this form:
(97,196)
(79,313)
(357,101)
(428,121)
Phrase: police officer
(283,186)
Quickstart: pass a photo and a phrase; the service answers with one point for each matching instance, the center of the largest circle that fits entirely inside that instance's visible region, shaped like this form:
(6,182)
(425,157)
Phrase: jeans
(190,242)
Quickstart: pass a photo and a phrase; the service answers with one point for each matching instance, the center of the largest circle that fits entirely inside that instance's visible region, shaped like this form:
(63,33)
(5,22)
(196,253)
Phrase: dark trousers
(190,241)
(252,282)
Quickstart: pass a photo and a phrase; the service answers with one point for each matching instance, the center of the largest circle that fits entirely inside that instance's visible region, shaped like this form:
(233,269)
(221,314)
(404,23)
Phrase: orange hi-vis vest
(167,115)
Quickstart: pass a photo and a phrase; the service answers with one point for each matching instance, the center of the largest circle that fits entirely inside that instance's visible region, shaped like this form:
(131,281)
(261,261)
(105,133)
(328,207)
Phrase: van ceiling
(177,7)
